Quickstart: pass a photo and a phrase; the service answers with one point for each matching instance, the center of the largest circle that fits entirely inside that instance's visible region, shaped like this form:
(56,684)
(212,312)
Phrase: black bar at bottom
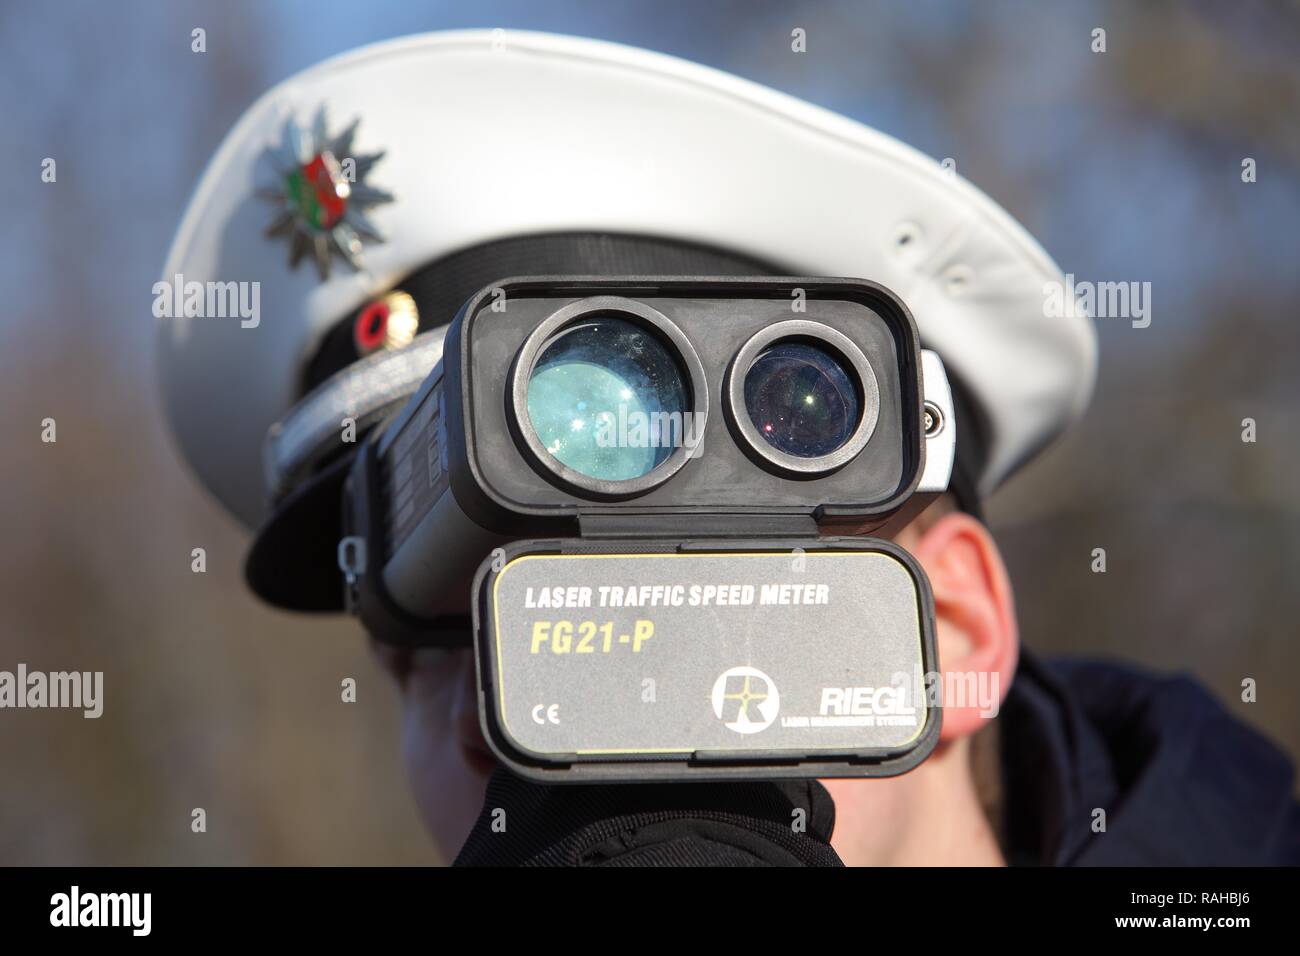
(444,906)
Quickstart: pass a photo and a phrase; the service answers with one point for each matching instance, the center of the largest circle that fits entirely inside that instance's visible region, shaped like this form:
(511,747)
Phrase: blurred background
(1125,165)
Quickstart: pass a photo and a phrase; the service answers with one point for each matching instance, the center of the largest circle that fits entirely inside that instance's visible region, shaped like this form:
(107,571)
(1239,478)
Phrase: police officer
(366,198)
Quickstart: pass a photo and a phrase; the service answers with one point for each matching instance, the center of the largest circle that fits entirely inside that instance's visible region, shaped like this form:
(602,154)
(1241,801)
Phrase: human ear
(976,619)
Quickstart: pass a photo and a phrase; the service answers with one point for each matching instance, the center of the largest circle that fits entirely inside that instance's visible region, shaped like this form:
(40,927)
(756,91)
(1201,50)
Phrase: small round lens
(801,399)
(604,397)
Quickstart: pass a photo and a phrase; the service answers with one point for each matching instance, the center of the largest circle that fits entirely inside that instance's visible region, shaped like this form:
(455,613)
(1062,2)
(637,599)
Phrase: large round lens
(607,399)
(801,399)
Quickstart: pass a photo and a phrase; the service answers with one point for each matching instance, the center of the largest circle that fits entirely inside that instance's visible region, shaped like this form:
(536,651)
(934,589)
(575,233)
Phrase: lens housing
(833,354)
(666,336)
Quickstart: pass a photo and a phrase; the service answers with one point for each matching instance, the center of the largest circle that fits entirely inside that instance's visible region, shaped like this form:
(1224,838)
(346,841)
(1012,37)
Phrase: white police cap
(493,134)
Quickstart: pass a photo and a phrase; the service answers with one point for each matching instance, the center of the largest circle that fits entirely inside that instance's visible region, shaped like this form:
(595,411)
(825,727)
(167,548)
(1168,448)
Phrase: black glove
(684,824)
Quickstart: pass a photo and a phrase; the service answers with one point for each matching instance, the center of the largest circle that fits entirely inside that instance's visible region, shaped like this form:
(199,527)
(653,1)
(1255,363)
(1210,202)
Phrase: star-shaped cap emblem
(322,195)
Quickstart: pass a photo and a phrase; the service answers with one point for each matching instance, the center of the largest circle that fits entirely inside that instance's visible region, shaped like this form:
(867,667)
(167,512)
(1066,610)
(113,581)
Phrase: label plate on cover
(727,656)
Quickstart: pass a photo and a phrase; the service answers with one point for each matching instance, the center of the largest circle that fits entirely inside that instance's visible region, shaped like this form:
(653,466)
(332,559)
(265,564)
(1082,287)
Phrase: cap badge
(321,194)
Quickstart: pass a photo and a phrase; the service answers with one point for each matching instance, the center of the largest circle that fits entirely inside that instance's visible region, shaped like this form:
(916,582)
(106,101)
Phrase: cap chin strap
(336,414)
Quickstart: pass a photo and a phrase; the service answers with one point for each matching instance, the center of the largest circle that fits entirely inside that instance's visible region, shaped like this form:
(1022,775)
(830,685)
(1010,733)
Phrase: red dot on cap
(371,327)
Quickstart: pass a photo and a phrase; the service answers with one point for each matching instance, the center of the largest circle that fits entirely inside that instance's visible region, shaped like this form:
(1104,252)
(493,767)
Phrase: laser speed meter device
(658,508)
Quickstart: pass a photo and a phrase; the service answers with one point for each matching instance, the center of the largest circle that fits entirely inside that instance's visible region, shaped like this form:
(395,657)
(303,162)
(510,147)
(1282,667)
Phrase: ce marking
(546,715)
